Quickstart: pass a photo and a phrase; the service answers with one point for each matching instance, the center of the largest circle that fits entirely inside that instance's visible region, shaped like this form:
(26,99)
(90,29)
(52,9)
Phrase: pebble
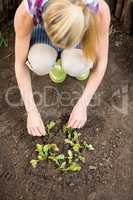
(21,197)
(104,143)
(97,129)
(71,184)
(60,179)
(101,164)
(91,167)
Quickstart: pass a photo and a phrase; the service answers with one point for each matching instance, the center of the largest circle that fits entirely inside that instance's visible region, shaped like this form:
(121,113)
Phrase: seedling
(88,146)
(70,161)
(70,156)
(57,158)
(34,163)
(50,126)
(62,166)
(74,167)
(81,158)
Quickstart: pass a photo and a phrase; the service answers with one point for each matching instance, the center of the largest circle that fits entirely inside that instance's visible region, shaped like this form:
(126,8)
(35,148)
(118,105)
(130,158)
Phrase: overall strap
(93,5)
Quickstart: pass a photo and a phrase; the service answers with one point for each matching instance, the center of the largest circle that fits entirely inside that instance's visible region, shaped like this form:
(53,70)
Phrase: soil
(108,171)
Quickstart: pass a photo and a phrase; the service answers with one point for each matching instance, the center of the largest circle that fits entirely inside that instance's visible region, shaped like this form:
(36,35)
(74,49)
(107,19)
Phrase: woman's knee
(74,63)
(41,58)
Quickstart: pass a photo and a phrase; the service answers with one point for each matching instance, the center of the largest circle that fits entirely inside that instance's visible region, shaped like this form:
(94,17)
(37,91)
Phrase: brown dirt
(109,130)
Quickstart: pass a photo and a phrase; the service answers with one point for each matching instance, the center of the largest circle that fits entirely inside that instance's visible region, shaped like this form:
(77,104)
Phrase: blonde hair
(70,22)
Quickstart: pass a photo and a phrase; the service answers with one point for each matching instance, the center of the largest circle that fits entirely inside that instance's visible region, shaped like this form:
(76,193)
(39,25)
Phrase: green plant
(50,126)
(57,158)
(34,162)
(88,146)
(70,161)
(70,156)
(74,167)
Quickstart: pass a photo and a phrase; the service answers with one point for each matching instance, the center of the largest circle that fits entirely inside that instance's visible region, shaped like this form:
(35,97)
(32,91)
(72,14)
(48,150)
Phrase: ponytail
(90,37)
(90,34)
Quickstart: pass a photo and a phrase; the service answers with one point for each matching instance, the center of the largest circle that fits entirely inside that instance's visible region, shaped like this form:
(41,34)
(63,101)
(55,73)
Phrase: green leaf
(53,158)
(40,157)
(49,147)
(41,153)
(39,148)
(70,133)
(46,149)
(50,125)
(70,154)
(60,157)
(74,167)
(65,128)
(62,166)
(67,141)
(88,146)
(76,147)
(34,163)
(57,158)
(81,158)
(53,147)
(75,136)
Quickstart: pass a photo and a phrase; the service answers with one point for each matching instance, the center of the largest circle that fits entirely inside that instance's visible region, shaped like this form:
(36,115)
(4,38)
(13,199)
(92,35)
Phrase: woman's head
(70,22)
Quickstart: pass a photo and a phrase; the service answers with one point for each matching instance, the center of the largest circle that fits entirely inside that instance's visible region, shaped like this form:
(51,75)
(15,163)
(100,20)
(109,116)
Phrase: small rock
(60,179)
(91,167)
(71,184)
(101,164)
(97,129)
(21,197)
(104,143)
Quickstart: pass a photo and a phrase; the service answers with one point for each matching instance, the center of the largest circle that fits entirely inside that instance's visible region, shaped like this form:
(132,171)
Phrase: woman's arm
(23,28)
(23,24)
(78,116)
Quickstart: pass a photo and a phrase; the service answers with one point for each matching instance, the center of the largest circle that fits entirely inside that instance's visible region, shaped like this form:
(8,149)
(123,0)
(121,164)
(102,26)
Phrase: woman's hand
(78,116)
(35,124)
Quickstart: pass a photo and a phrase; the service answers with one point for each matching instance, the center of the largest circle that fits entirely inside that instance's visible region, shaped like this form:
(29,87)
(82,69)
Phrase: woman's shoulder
(22,19)
(104,15)
(104,9)
(34,8)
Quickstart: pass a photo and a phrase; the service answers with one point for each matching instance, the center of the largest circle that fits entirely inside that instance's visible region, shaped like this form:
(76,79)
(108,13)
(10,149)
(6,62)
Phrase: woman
(76,29)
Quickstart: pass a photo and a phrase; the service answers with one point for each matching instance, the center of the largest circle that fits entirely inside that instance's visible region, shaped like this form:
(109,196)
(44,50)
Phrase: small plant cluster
(71,160)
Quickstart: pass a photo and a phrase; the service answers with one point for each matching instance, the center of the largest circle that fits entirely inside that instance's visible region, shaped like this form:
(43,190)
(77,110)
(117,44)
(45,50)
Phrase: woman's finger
(40,132)
(71,123)
(83,123)
(34,132)
(80,124)
(70,119)
(29,131)
(76,123)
